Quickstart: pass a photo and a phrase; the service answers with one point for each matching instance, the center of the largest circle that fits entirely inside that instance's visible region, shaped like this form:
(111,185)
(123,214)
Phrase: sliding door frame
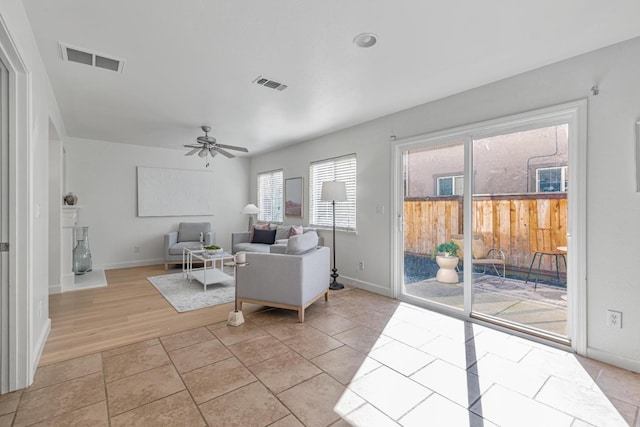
(573,113)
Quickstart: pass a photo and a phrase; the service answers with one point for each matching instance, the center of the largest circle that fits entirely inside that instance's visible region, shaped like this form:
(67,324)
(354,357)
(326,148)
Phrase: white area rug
(185,295)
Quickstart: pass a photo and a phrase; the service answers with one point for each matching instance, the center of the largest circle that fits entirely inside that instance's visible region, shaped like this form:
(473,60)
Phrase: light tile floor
(360,359)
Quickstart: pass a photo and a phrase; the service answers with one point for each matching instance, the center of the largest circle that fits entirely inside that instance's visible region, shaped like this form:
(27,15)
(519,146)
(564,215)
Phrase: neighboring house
(102,173)
(524,162)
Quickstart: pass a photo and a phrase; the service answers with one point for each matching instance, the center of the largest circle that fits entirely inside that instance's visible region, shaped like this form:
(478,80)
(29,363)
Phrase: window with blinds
(320,212)
(270,198)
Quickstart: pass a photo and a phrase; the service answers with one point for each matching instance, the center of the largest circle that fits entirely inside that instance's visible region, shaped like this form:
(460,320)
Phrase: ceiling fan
(207,145)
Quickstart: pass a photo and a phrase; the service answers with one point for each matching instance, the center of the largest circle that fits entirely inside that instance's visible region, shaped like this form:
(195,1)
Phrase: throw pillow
(479,249)
(258,227)
(264,236)
(295,230)
(302,243)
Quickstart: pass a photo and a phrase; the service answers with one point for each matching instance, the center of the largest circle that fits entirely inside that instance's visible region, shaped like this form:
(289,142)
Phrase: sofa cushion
(278,249)
(251,247)
(190,231)
(264,236)
(303,243)
(282,232)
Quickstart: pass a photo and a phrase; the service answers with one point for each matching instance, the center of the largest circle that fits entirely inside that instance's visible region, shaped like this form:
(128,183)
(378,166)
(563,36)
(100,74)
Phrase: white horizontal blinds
(336,169)
(270,196)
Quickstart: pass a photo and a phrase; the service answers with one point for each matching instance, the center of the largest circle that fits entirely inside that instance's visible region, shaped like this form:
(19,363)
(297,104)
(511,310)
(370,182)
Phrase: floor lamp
(250,210)
(334,191)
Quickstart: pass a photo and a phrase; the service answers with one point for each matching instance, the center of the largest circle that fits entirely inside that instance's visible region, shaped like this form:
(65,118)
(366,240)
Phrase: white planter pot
(447,272)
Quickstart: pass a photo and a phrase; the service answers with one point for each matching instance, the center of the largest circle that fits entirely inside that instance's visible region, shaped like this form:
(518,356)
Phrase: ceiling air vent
(269,83)
(93,59)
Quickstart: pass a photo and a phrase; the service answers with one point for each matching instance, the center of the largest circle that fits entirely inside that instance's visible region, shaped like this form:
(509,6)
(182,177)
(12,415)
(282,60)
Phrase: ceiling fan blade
(192,152)
(223,152)
(192,146)
(233,147)
(213,152)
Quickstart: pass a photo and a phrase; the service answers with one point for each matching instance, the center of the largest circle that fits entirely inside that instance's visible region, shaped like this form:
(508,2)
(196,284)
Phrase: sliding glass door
(496,197)
(519,242)
(433,181)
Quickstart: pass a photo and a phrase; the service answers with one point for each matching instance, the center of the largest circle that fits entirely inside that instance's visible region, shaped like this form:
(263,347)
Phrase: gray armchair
(189,236)
(291,281)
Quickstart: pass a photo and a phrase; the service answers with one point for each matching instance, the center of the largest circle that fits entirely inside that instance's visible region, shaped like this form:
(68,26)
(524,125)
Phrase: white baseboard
(368,286)
(129,264)
(38,349)
(613,359)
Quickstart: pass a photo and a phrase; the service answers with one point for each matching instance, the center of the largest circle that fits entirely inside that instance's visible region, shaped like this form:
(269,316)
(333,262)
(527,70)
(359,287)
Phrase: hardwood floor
(128,310)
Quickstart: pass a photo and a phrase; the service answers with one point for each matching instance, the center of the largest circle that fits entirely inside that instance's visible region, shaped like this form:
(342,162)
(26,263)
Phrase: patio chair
(482,256)
(541,244)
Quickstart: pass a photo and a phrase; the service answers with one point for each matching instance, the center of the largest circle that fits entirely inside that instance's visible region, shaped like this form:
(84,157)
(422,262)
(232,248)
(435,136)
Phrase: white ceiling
(192,62)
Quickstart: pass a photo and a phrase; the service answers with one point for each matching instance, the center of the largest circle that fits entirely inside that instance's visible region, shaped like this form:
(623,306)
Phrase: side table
(235,317)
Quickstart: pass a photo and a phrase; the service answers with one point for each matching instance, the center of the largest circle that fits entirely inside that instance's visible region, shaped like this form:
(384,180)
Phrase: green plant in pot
(448,249)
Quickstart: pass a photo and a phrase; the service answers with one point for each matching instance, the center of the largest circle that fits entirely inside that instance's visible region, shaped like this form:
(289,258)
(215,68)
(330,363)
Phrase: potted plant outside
(446,255)
(448,249)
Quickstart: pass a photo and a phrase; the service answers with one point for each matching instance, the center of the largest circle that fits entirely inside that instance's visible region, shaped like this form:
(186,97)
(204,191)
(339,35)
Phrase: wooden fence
(519,224)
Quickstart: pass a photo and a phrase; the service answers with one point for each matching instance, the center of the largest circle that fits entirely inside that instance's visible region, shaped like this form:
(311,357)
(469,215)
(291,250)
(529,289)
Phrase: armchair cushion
(190,231)
(302,243)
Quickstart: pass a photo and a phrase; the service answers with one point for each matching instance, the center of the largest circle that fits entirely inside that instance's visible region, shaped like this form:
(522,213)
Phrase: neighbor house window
(450,185)
(336,169)
(270,196)
(552,179)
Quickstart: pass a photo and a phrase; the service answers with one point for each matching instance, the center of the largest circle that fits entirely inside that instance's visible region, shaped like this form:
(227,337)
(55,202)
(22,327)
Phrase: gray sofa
(188,235)
(240,241)
(291,280)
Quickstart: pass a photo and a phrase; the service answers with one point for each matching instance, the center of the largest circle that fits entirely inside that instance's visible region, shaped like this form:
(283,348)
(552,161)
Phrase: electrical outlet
(614,319)
(380,209)
(361,265)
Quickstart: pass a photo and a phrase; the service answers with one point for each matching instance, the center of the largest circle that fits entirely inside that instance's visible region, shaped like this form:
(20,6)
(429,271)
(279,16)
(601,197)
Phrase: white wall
(32,277)
(103,176)
(613,205)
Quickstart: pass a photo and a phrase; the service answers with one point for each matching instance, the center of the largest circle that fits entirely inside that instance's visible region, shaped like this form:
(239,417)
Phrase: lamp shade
(334,191)
(250,209)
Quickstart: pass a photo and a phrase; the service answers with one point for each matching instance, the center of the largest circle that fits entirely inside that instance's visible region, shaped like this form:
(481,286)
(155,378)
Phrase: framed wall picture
(293,206)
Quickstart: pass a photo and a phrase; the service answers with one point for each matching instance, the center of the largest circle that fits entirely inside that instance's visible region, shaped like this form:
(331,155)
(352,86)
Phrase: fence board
(507,222)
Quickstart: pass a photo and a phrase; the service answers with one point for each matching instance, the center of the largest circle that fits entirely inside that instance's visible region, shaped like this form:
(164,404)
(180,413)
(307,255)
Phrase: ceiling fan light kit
(209,147)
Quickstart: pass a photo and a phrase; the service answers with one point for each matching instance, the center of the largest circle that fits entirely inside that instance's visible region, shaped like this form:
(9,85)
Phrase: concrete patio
(513,300)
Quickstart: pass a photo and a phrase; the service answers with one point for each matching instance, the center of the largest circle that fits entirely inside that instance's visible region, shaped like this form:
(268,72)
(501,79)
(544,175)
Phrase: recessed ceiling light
(365,40)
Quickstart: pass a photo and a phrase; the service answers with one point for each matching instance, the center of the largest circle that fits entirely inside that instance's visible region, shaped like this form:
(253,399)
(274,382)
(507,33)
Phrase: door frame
(16,361)
(575,114)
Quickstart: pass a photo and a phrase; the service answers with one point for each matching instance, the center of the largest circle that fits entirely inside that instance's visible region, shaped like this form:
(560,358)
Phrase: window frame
(269,213)
(453,179)
(564,182)
(342,168)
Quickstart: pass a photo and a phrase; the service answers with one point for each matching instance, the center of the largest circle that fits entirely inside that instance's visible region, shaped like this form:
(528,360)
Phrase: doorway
(4,229)
(509,195)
